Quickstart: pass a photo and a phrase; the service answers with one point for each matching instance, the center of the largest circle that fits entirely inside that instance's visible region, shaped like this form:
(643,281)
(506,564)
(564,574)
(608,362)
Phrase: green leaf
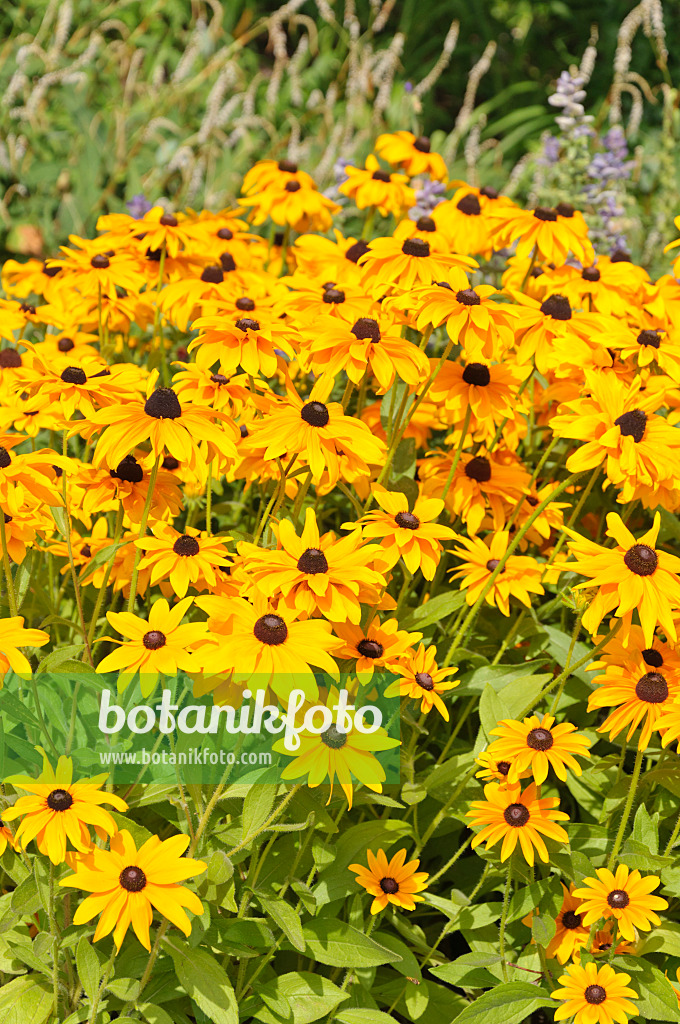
(302,996)
(287,920)
(511,1004)
(361,1015)
(646,829)
(26,898)
(408,965)
(338,944)
(59,516)
(155,1014)
(14,709)
(220,868)
(439,608)
(256,808)
(58,657)
(657,999)
(28,998)
(543,930)
(204,981)
(87,962)
(492,710)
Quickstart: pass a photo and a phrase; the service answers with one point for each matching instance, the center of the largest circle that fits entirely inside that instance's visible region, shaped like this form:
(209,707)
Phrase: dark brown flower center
(213,275)
(271,630)
(226,234)
(154,640)
(370,648)
(503,767)
(243,430)
(652,688)
(571,920)
(426,224)
(186,546)
(168,220)
(557,306)
(516,815)
(5,458)
(86,551)
(493,564)
(565,209)
(245,304)
(287,166)
(356,251)
(425,680)
(219,379)
(632,424)
(545,213)
(59,800)
(641,559)
(9,359)
(469,205)
(650,339)
(618,899)
(478,469)
(163,404)
(316,414)
(333,738)
(652,657)
(407,520)
(490,193)
(312,561)
(50,271)
(227,262)
(540,739)
(422,144)
(246,324)
(468,297)
(293,186)
(27,307)
(129,470)
(365,329)
(590,274)
(74,375)
(477,374)
(620,256)
(380,176)
(170,462)
(65,344)
(100,262)
(132,879)
(595,994)
(389,886)
(416,247)
(333,296)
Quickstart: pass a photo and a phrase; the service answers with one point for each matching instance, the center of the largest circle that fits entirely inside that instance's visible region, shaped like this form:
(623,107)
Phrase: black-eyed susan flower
(128,483)
(411,535)
(369,344)
(316,574)
(570,932)
(553,234)
(297,204)
(520,576)
(126,885)
(422,680)
(466,223)
(594,995)
(266,173)
(60,810)
(537,744)
(514,816)
(29,480)
(160,646)
(632,576)
(12,637)
(640,693)
(93,271)
(319,431)
(371,186)
(617,422)
(494,769)
(489,389)
(484,327)
(389,263)
(489,481)
(378,645)
(625,896)
(412,152)
(268,641)
(246,341)
(184,559)
(181,429)
(330,755)
(394,881)
(603,940)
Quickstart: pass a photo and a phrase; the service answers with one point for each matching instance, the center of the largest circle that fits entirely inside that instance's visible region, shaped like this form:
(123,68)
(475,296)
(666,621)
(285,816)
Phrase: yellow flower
(59,809)
(538,744)
(594,995)
(390,193)
(12,637)
(625,896)
(420,679)
(185,559)
(516,816)
(413,153)
(126,884)
(520,576)
(392,881)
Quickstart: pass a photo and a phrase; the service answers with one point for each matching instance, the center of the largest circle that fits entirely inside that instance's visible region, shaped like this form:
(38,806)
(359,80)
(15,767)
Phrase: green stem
(457,454)
(54,931)
(263,828)
(504,920)
(102,988)
(142,532)
(40,717)
(11,595)
(674,835)
(626,810)
(118,529)
(72,565)
(208,502)
(574,638)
